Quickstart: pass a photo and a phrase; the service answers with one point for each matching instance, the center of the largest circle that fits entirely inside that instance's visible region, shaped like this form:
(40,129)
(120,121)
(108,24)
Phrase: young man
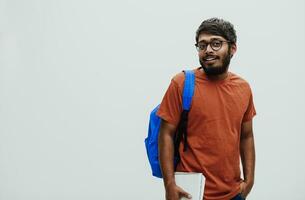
(219,122)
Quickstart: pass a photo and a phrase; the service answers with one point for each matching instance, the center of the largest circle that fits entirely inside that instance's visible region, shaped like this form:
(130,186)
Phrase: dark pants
(238,197)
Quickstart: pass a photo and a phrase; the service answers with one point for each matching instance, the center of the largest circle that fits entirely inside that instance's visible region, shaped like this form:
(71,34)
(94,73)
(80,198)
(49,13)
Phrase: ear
(233,49)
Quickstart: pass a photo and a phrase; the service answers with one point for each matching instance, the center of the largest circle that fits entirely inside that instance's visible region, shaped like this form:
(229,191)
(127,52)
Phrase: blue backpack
(151,142)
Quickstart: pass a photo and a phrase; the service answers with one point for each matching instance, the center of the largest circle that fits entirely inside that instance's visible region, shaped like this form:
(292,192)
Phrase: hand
(173,192)
(245,189)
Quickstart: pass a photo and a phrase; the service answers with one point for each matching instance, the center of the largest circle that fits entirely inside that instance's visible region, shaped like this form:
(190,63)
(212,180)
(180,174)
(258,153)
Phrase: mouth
(210,58)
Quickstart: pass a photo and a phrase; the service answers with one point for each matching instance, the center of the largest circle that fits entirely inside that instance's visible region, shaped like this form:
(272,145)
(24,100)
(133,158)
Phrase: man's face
(215,57)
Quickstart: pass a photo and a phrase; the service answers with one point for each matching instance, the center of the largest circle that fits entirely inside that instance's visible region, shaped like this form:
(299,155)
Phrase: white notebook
(192,183)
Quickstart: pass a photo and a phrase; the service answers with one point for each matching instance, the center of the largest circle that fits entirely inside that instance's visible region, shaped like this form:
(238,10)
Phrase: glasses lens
(201,46)
(216,44)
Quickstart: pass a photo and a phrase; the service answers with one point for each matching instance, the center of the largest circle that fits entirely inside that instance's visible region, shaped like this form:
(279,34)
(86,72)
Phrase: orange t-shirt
(218,109)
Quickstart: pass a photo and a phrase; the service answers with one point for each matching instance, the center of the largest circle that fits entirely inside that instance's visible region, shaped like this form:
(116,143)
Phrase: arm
(247,154)
(166,157)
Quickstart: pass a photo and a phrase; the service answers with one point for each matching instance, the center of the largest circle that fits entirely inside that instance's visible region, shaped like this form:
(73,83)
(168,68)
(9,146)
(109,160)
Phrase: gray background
(79,78)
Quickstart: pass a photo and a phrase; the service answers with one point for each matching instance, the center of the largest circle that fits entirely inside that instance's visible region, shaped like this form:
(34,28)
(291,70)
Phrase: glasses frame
(209,44)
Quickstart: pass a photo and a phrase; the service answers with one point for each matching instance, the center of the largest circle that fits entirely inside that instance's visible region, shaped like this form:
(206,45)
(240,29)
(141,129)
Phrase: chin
(213,66)
(214,70)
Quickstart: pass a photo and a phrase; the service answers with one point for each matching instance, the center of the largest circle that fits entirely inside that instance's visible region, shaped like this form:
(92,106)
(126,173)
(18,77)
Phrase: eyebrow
(213,38)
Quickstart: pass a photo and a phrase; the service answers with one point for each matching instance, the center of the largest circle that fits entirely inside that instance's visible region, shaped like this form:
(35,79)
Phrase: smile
(210,58)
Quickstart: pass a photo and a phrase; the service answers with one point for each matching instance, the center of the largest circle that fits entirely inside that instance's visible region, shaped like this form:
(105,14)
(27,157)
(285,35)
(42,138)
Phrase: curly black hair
(218,27)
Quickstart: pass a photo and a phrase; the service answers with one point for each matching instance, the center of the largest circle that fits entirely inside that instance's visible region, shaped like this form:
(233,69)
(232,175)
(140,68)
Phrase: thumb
(183,193)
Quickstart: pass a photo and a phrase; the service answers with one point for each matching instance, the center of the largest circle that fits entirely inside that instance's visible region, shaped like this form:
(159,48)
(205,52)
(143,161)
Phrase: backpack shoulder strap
(188,92)
(188,89)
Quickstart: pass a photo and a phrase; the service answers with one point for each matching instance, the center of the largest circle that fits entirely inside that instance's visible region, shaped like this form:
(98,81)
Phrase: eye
(202,46)
(216,43)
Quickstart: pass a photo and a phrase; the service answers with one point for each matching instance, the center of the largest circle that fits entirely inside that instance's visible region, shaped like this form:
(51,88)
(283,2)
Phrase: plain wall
(78,80)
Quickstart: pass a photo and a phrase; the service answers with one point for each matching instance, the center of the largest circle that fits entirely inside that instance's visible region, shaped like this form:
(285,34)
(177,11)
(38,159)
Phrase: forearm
(166,158)
(247,153)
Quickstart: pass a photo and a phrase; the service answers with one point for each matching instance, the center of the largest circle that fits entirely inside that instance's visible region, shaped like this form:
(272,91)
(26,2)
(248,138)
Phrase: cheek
(200,54)
(223,54)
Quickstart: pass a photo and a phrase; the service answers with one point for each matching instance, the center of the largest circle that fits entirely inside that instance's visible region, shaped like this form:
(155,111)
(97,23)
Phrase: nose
(209,48)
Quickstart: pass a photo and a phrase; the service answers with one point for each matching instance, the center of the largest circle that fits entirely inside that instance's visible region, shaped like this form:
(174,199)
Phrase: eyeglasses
(215,44)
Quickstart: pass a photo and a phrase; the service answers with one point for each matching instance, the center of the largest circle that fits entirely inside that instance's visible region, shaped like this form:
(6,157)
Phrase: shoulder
(179,78)
(237,80)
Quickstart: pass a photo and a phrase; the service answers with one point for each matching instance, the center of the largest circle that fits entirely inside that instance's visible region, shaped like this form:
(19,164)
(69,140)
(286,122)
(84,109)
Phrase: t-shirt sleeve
(171,105)
(250,112)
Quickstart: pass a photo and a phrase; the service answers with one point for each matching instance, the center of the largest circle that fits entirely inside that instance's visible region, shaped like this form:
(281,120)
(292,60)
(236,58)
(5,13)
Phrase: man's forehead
(208,37)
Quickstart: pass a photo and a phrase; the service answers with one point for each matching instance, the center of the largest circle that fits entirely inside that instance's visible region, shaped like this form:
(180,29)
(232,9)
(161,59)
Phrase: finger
(185,194)
(242,187)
